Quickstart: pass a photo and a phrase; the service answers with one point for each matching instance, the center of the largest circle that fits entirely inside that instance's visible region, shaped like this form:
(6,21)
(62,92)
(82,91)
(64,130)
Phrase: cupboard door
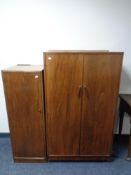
(23,92)
(101,85)
(63,80)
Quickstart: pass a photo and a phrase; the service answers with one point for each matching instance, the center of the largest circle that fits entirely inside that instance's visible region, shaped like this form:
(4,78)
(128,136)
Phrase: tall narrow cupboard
(23,87)
(81,90)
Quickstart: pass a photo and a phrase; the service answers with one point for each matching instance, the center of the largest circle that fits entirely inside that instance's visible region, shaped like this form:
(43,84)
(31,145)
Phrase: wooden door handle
(85,90)
(39,110)
(80,91)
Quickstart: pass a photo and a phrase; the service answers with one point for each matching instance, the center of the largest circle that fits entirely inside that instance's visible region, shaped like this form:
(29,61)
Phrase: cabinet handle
(80,91)
(85,90)
(39,110)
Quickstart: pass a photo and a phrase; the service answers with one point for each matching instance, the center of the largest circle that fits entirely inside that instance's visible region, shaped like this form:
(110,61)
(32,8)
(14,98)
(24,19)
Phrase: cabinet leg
(121,117)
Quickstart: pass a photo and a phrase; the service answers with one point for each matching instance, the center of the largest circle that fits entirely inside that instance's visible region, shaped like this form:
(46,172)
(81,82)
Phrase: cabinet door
(101,85)
(23,91)
(63,78)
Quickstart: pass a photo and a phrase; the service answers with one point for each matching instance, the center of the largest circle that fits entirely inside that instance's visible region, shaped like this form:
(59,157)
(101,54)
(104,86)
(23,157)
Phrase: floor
(118,165)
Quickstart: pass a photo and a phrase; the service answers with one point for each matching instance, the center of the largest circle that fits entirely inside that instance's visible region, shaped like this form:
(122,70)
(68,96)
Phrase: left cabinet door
(63,92)
(25,107)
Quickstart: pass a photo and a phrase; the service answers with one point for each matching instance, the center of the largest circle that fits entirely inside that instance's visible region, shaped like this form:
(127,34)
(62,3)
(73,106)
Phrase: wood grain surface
(81,91)
(101,86)
(63,75)
(25,107)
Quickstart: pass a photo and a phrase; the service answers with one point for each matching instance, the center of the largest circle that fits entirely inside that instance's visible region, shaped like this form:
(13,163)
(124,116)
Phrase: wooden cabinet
(81,90)
(23,87)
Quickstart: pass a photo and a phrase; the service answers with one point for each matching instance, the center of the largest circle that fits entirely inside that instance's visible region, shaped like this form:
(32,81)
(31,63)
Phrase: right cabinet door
(101,76)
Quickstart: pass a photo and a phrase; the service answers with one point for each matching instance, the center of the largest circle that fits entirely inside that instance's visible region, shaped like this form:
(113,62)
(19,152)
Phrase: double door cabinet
(67,111)
(81,90)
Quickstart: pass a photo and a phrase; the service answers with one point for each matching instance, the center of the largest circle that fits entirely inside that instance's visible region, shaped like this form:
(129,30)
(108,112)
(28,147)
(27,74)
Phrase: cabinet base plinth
(80,158)
(29,160)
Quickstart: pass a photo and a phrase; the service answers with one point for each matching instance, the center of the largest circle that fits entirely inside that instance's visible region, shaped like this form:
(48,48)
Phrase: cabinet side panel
(63,77)
(24,101)
(101,82)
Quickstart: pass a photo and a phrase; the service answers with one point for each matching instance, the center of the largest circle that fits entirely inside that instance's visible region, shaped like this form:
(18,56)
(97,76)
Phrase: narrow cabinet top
(24,68)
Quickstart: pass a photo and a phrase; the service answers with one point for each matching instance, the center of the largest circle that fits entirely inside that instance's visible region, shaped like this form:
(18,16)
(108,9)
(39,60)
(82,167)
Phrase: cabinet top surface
(24,68)
(83,51)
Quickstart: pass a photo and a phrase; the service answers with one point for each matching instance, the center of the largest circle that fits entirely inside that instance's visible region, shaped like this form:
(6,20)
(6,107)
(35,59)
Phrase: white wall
(27,28)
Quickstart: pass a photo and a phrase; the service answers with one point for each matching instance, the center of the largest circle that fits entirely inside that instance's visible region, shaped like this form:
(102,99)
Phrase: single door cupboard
(23,87)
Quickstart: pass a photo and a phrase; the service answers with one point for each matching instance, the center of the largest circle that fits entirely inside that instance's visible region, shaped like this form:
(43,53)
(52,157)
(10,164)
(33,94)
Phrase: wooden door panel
(101,82)
(25,112)
(63,76)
